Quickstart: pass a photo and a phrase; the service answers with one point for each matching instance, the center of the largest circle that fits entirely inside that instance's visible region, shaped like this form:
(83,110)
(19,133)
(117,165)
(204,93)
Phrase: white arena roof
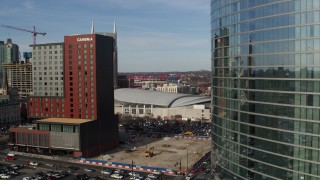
(139,96)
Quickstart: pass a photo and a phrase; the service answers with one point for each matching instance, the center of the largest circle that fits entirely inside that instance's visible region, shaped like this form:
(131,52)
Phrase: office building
(124,81)
(265,92)
(173,88)
(81,121)
(18,75)
(10,107)
(9,53)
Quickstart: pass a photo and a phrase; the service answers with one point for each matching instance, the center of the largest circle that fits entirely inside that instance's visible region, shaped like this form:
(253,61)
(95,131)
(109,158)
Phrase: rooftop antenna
(114,27)
(92,27)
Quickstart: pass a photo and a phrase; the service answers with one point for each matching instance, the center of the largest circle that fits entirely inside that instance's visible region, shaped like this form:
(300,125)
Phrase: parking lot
(77,172)
(167,151)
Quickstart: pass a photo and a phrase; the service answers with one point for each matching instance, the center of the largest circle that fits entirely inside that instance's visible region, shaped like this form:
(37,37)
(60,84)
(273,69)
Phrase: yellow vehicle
(189,133)
(149,152)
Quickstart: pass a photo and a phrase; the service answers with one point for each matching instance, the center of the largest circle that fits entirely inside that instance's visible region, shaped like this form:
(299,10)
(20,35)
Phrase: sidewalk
(58,158)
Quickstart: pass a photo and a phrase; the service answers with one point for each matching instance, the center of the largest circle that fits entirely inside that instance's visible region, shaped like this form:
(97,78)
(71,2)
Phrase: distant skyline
(153,35)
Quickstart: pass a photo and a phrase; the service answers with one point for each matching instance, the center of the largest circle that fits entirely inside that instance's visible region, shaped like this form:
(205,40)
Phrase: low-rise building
(53,136)
(173,88)
(9,107)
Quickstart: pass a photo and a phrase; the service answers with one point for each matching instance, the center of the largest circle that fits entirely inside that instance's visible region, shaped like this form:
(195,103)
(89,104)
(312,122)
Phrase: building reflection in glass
(266,89)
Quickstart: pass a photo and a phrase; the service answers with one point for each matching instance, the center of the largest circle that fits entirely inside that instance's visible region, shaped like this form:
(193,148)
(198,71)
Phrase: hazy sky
(153,35)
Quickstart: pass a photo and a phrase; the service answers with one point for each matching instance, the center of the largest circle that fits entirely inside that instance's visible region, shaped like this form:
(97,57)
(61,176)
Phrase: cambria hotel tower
(80,119)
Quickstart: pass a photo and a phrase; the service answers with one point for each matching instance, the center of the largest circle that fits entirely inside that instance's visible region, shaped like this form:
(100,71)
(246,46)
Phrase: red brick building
(88,96)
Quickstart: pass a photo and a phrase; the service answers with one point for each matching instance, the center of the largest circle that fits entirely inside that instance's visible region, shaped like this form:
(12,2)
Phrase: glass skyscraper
(266,89)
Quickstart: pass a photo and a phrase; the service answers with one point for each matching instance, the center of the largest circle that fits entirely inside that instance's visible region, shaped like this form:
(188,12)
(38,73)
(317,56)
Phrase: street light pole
(187,162)
(132,167)
(102,165)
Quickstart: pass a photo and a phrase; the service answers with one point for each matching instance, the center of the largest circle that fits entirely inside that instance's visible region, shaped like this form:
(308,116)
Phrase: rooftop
(63,120)
(164,99)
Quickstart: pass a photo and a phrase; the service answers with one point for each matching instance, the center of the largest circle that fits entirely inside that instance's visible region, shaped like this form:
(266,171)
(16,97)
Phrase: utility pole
(102,165)
(132,167)
(187,162)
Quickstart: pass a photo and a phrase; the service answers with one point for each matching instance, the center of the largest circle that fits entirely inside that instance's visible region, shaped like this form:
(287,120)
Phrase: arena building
(153,104)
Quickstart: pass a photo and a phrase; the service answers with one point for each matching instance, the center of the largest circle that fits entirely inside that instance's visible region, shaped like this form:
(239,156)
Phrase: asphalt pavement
(62,165)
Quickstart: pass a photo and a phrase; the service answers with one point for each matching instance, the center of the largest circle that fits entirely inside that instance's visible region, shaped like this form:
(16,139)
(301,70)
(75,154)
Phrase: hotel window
(79,45)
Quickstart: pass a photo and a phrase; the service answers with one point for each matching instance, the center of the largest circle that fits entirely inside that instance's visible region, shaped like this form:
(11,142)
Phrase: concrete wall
(188,113)
(64,140)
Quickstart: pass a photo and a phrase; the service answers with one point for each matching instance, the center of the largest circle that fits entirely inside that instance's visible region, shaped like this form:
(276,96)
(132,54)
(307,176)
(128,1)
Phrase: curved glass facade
(266,89)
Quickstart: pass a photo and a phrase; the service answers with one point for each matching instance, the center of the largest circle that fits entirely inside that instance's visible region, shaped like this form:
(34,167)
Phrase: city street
(29,171)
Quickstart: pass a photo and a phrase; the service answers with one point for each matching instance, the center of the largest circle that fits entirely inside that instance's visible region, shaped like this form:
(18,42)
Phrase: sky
(153,35)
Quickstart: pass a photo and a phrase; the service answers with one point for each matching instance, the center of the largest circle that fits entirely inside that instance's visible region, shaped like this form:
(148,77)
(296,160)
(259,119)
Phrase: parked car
(88,170)
(117,176)
(5,176)
(13,173)
(136,178)
(13,166)
(33,163)
(189,176)
(50,164)
(153,176)
(132,173)
(82,176)
(106,171)
(118,171)
(74,168)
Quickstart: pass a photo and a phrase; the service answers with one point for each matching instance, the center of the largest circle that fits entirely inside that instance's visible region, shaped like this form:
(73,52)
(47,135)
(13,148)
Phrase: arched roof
(139,96)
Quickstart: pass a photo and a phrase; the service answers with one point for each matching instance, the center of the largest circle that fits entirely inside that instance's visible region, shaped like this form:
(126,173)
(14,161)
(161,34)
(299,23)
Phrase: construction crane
(34,32)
